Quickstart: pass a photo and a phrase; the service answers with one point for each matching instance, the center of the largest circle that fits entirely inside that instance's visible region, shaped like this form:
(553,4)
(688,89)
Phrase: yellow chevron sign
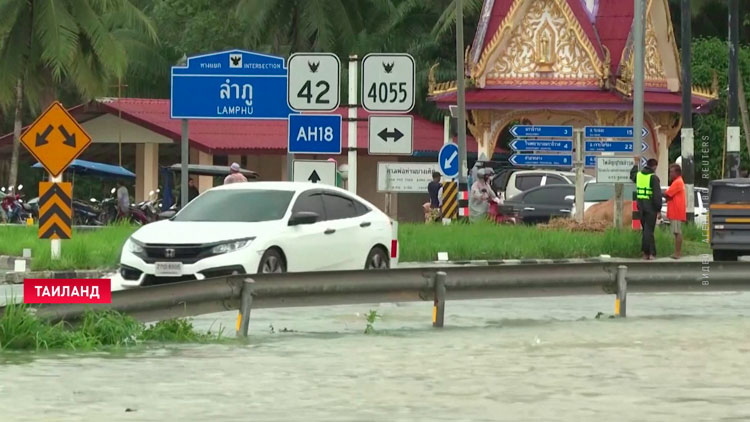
(55,210)
(450,199)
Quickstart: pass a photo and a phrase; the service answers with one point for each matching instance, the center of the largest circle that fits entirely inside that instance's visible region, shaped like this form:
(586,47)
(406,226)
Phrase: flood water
(676,357)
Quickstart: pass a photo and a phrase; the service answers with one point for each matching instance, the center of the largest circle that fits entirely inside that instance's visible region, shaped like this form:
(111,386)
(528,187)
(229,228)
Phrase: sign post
(55,139)
(605,141)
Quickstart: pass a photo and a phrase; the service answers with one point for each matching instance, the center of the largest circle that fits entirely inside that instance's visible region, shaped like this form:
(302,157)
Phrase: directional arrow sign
(541,160)
(55,210)
(614,146)
(541,145)
(314,171)
(55,139)
(624,132)
(448,160)
(545,131)
(390,135)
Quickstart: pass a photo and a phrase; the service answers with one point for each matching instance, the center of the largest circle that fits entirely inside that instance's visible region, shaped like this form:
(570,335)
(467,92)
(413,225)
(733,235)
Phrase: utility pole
(687,147)
(461,115)
(639,44)
(733,128)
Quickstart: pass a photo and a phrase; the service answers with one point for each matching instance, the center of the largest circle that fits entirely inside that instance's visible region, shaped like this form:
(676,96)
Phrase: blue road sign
(315,134)
(546,131)
(448,160)
(591,161)
(232,84)
(541,160)
(612,132)
(541,145)
(614,146)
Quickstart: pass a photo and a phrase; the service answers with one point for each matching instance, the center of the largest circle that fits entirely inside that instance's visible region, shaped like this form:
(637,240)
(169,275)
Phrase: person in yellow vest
(648,191)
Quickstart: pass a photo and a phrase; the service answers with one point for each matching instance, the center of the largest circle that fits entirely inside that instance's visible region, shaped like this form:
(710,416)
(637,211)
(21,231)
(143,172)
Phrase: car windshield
(249,206)
(600,192)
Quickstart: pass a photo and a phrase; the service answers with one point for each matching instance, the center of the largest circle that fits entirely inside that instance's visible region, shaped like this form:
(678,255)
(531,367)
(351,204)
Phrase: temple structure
(570,62)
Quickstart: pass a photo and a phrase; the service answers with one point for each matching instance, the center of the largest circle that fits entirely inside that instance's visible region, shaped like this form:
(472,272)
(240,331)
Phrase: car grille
(152,280)
(187,254)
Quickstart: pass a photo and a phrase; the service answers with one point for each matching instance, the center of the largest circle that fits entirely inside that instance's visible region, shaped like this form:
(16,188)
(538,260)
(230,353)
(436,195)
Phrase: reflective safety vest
(643,186)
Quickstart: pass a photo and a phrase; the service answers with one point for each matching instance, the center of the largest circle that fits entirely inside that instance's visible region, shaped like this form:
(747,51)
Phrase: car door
(306,245)
(544,203)
(343,232)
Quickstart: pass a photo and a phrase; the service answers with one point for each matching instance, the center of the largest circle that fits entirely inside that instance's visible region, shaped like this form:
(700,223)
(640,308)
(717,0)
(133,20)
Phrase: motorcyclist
(481,195)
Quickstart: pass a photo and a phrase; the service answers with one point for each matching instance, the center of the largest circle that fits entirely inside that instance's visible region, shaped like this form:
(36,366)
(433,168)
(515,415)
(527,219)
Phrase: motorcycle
(14,208)
(86,214)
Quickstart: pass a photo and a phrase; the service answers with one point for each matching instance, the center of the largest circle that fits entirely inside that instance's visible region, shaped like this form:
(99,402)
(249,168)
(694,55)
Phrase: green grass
(96,249)
(100,249)
(21,330)
(420,242)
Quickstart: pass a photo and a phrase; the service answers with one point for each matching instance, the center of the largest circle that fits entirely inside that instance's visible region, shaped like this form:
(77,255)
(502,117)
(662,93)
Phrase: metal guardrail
(436,284)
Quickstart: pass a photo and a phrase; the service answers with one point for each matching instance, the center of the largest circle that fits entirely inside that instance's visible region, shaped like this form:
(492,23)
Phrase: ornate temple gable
(540,43)
(662,64)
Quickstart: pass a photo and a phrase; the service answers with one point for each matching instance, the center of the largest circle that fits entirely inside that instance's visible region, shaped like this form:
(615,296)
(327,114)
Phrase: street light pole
(687,146)
(639,44)
(733,128)
(461,115)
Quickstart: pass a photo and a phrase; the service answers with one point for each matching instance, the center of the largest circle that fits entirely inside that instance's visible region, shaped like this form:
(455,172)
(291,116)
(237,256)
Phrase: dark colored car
(729,218)
(541,204)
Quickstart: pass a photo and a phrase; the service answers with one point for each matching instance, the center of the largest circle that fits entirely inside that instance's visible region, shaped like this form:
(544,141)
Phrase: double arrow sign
(68,139)
(395,135)
(55,210)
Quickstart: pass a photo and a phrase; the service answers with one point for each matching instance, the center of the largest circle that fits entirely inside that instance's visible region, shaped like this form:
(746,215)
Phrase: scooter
(14,208)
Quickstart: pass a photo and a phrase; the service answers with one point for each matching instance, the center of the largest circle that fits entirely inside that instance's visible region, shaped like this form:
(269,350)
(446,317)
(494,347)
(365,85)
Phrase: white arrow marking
(448,161)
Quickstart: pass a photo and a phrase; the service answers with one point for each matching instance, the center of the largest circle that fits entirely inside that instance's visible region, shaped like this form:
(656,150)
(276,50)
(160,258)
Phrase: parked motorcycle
(86,214)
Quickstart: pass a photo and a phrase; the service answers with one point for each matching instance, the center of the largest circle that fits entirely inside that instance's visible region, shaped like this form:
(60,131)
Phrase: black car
(542,203)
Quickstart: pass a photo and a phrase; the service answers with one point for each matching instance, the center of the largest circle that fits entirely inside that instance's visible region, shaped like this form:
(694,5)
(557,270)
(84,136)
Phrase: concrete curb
(17,278)
(511,262)
(8,262)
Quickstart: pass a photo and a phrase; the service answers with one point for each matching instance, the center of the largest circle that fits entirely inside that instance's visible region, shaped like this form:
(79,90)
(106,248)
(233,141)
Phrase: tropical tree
(45,44)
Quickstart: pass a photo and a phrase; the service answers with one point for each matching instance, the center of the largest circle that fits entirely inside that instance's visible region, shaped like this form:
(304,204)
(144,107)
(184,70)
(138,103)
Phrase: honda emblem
(169,253)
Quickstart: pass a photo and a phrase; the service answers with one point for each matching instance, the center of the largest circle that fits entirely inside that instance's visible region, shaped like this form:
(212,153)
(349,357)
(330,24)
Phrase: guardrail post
(246,303)
(438,309)
(622,292)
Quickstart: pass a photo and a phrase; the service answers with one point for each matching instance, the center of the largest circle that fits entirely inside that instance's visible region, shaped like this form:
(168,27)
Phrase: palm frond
(57,31)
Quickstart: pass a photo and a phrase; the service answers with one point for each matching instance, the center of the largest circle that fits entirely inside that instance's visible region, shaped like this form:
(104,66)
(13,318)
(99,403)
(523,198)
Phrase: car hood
(178,233)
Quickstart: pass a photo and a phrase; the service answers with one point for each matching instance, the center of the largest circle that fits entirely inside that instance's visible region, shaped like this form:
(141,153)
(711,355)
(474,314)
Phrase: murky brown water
(677,357)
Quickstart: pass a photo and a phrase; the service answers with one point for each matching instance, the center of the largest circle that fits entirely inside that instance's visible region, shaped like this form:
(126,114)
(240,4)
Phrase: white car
(594,193)
(261,227)
(701,200)
(523,180)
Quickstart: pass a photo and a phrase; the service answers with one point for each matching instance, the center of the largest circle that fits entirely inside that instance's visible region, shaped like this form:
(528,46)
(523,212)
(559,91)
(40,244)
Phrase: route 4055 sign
(314,81)
(388,82)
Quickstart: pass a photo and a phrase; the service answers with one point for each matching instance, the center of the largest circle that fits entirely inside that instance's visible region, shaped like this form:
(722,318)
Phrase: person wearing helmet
(481,195)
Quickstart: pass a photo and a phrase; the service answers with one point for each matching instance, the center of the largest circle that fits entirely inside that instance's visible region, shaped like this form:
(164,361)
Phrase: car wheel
(725,256)
(271,263)
(377,259)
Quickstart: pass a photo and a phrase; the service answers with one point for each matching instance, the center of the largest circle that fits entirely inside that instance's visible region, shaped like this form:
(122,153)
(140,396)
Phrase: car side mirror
(570,198)
(303,217)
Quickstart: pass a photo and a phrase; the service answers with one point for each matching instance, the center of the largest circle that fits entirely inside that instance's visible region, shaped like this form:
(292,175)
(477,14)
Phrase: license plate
(168,269)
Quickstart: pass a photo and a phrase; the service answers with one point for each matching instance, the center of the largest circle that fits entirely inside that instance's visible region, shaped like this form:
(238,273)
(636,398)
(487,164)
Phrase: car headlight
(231,246)
(132,245)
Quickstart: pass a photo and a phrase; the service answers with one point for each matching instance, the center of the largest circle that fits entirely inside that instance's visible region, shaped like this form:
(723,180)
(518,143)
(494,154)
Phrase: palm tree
(287,26)
(44,43)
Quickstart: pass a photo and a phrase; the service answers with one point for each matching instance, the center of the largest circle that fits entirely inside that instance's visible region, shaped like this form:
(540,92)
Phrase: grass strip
(20,329)
(100,249)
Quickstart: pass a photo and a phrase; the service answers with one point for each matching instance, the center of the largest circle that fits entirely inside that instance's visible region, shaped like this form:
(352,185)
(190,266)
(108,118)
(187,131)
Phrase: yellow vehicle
(729,218)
